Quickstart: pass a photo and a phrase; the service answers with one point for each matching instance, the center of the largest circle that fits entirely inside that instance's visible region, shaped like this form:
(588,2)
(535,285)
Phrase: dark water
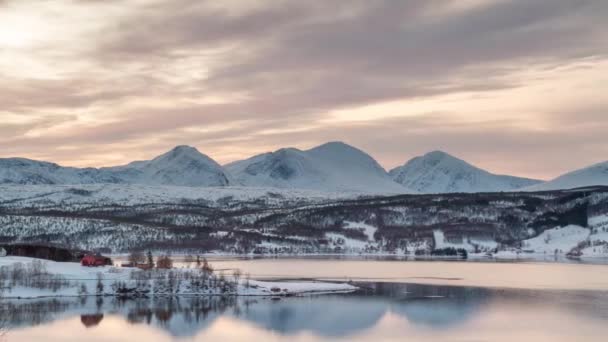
(379,312)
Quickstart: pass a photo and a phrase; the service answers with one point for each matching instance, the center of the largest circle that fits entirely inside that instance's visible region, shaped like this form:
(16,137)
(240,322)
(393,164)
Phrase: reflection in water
(91,320)
(380,311)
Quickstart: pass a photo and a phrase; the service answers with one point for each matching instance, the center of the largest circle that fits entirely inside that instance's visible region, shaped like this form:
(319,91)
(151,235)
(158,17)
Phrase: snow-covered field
(470,244)
(84,281)
(558,240)
(368,230)
(125,194)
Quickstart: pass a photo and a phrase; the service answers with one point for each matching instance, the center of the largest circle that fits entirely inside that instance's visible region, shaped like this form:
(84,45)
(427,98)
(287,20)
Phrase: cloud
(238,77)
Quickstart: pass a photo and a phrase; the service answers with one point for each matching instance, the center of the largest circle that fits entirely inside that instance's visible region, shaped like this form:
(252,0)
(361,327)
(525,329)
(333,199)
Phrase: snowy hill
(287,221)
(26,171)
(334,166)
(183,166)
(593,175)
(439,172)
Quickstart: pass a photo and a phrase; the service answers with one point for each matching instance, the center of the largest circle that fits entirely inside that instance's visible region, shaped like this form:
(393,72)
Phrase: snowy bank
(34,278)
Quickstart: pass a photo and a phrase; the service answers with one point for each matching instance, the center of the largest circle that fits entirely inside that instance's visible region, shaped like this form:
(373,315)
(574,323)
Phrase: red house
(94,260)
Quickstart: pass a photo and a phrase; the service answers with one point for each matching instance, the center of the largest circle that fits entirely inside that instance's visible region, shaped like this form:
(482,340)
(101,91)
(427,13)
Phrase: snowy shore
(59,279)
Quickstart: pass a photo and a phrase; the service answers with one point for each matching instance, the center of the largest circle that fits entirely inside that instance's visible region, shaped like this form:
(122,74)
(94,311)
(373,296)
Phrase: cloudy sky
(517,87)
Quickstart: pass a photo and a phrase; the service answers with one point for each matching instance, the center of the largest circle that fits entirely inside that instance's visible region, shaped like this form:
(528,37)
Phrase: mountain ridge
(440,172)
(333,166)
(181,166)
(595,174)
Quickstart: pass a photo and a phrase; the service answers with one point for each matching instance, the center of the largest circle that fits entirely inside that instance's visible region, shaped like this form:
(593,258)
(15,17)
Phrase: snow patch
(560,240)
(368,230)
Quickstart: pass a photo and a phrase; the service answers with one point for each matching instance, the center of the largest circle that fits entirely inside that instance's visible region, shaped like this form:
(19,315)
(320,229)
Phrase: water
(389,309)
(524,275)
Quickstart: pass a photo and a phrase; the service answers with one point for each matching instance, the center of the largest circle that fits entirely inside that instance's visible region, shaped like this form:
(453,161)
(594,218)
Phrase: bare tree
(247,279)
(207,268)
(164,261)
(100,287)
(237,274)
(137,257)
(188,259)
(150,260)
(3,311)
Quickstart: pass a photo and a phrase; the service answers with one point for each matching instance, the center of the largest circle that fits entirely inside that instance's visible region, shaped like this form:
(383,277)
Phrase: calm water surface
(525,275)
(392,309)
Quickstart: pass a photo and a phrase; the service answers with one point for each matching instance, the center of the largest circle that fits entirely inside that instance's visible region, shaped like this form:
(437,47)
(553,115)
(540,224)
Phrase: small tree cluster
(33,275)
(164,261)
(137,258)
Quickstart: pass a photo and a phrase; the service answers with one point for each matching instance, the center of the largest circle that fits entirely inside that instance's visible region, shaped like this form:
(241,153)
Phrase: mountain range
(334,166)
(182,166)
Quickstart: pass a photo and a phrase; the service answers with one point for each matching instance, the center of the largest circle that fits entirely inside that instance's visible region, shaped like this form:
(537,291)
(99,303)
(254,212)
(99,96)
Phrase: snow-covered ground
(368,230)
(126,194)
(559,240)
(470,244)
(84,280)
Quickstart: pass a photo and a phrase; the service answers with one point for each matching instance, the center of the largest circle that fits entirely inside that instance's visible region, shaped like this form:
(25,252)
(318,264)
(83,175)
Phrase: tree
(247,279)
(82,290)
(150,260)
(188,259)
(137,257)
(207,268)
(237,274)
(100,287)
(164,261)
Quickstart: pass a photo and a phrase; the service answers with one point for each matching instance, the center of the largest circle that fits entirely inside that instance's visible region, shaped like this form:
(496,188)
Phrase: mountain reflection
(331,315)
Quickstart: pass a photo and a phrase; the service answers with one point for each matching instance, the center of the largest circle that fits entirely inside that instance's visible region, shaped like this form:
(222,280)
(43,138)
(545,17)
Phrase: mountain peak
(437,154)
(440,172)
(183,165)
(182,153)
(333,166)
(334,146)
(184,149)
(436,157)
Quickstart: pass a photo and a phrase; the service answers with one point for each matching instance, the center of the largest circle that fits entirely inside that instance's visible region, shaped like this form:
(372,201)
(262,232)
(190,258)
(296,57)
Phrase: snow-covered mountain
(334,166)
(26,171)
(593,175)
(439,172)
(184,166)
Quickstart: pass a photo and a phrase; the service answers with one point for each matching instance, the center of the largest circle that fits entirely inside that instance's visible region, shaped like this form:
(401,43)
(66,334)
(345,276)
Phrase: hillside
(183,165)
(330,167)
(243,220)
(590,176)
(439,172)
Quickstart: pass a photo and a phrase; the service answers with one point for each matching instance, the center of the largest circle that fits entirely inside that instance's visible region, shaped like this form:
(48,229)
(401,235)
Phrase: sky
(516,87)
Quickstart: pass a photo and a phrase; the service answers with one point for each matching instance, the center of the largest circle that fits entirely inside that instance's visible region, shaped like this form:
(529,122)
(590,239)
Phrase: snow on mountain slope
(439,172)
(26,171)
(334,166)
(558,240)
(182,166)
(137,194)
(593,175)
